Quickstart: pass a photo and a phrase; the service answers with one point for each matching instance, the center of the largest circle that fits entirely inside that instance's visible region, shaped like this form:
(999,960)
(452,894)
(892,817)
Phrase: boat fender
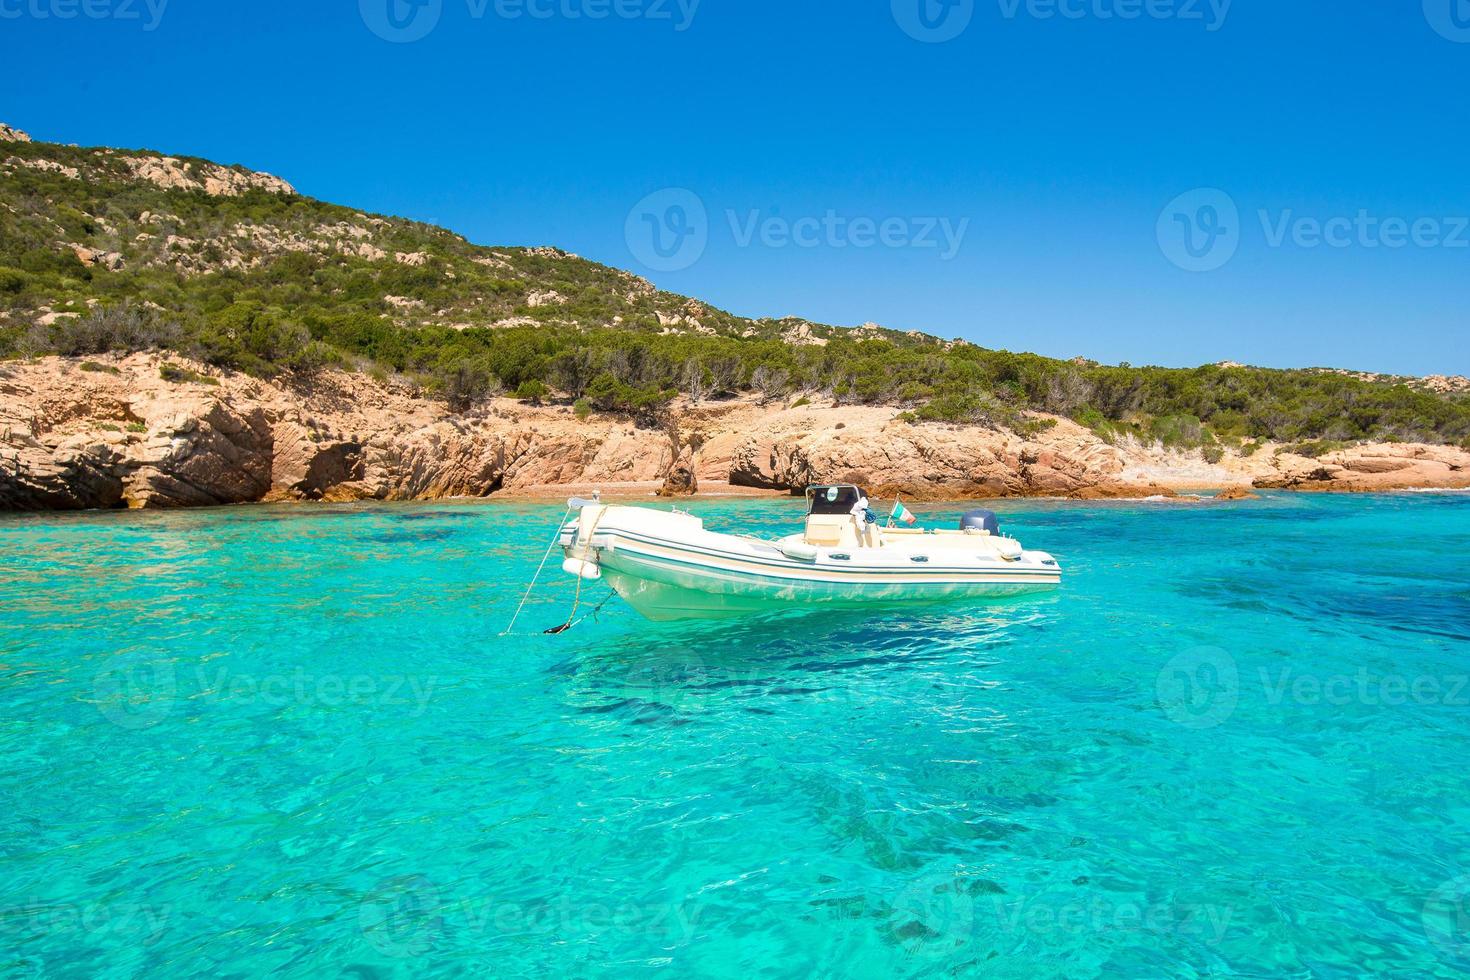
(799,550)
(587,570)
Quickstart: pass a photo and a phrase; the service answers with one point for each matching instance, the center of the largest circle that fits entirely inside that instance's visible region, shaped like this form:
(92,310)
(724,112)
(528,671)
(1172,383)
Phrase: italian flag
(901,513)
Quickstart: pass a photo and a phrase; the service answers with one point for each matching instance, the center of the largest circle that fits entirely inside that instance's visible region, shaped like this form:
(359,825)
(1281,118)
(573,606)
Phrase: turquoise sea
(288,741)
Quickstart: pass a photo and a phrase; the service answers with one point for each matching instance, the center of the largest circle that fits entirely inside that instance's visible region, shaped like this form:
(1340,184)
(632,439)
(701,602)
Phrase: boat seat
(842,531)
(830,530)
(837,531)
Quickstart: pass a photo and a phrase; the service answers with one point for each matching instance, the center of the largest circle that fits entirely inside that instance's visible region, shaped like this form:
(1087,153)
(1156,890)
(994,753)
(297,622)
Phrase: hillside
(105,250)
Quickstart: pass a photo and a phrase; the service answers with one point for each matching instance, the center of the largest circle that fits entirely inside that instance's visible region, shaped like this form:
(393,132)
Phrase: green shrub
(122,328)
(13,280)
(607,393)
(583,408)
(1315,449)
(1091,418)
(465,385)
(972,408)
(1213,453)
(913,391)
(181,375)
(1030,428)
(249,337)
(1177,431)
(94,368)
(532,391)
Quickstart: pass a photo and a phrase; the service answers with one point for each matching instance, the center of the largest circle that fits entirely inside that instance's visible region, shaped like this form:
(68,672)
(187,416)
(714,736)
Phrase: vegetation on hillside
(266,282)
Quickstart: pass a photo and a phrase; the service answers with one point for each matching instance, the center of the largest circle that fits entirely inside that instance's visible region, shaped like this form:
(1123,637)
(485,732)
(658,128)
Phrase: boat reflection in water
(837,659)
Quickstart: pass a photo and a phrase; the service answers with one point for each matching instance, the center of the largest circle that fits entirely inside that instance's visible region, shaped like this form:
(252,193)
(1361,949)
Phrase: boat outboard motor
(981,520)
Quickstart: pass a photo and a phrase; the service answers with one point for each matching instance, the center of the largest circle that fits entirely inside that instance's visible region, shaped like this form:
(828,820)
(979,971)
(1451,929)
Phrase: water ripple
(291,740)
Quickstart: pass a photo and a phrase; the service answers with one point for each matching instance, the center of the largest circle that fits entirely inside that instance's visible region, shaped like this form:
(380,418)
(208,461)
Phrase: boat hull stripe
(868,575)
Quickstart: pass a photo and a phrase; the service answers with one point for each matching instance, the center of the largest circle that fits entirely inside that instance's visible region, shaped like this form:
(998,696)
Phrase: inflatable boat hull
(668,567)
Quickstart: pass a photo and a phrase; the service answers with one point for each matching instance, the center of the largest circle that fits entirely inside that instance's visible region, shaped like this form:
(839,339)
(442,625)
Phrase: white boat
(667,565)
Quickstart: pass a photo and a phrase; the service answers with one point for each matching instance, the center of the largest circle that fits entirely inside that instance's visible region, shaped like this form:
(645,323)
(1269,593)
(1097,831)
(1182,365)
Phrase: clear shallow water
(274,739)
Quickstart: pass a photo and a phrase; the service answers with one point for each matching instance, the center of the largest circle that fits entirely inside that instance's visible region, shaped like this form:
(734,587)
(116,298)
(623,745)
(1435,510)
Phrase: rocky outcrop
(9,134)
(1446,385)
(61,477)
(171,173)
(1386,466)
(308,465)
(888,456)
(63,450)
(445,459)
(550,297)
(112,432)
(50,166)
(682,480)
(215,453)
(89,257)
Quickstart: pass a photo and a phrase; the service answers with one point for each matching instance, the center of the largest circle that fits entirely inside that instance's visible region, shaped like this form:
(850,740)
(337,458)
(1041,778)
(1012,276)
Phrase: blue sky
(1053,138)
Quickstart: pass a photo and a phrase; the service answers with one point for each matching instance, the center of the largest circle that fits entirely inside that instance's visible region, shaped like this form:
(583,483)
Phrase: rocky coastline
(158,431)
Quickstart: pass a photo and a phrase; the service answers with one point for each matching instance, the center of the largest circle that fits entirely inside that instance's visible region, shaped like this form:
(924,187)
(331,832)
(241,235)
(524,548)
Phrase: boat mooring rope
(540,568)
(592,615)
(576,604)
(577,599)
(572,620)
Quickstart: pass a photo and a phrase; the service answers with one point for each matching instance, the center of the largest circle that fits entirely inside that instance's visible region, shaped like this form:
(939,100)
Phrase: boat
(668,566)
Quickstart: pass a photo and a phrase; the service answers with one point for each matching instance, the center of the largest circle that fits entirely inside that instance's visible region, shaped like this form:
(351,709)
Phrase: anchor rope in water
(540,568)
(592,615)
(577,599)
(576,604)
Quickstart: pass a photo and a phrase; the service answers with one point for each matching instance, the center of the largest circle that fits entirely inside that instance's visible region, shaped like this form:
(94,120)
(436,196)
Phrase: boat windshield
(840,499)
